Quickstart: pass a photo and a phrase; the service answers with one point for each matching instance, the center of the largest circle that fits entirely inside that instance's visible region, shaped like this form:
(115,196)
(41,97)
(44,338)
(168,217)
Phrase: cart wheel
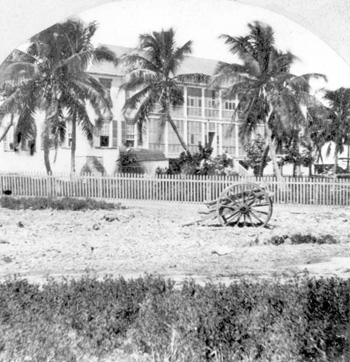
(244,204)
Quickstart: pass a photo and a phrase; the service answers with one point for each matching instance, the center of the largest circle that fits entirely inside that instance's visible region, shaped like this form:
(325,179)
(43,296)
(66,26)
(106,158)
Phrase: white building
(204,118)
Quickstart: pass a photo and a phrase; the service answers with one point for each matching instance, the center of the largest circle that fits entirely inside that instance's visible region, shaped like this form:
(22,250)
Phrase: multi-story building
(205,118)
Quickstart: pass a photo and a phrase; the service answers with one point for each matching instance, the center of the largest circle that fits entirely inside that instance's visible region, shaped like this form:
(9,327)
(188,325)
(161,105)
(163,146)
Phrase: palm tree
(15,100)
(154,79)
(339,128)
(270,94)
(53,78)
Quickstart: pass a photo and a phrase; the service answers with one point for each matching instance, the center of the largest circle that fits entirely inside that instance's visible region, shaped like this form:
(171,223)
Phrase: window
(229,108)
(211,103)
(69,134)
(104,141)
(103,135)
(130,135)
(230,105)
(194,101)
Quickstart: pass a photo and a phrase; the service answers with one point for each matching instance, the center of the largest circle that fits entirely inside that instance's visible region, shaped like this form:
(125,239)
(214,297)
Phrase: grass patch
(296,239)
(65,203)
(301,319)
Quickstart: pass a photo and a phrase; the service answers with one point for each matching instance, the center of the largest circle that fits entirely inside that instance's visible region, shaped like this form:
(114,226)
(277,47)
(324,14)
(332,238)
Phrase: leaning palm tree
(51,76)
(16,105)
(339,128)
(153,76)
(270,94)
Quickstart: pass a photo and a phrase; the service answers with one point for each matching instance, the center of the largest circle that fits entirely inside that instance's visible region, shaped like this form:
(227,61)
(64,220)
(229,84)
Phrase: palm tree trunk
(7,128)
(47,150)
(74,143)
(336,152)
(263,161)
(47,144)
(271,144)
(173,125)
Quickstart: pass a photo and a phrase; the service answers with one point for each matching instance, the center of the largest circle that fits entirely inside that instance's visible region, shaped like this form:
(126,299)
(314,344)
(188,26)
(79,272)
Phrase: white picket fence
(171,188)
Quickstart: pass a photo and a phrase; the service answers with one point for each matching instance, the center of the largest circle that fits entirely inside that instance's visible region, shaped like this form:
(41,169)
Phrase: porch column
(237,140)
(220,104)
(203,102)
(203,133)
(146,140)
(185,122)
(220,150)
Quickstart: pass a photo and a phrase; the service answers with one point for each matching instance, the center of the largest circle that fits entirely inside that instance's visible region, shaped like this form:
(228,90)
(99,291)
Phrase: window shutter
(123,132)
(115,134)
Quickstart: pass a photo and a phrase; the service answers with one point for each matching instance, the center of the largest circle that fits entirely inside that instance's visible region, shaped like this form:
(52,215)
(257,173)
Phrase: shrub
(311,239)
(65,203)
(278,240)
(200,163)
(303,239)
(299,319)
(255,151)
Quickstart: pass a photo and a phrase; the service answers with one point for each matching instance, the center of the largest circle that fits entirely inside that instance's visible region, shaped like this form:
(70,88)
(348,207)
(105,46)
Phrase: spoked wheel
(244,204)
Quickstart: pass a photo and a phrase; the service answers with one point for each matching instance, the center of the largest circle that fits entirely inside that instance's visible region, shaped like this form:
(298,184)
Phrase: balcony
(227,114)
(194,112)
(177,112)
(211,113)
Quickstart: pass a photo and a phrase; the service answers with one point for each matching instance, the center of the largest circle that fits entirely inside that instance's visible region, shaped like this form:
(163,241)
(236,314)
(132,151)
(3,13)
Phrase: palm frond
(17,73)
(138,77)
(137,61)
(178,56)
(144,95)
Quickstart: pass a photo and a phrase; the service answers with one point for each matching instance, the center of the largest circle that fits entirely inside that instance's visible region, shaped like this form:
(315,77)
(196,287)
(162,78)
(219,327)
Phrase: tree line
(52,76)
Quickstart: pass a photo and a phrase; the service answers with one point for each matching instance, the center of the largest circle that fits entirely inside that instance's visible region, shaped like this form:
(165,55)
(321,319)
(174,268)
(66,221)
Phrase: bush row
(66,203)
(300,319)
(298,238)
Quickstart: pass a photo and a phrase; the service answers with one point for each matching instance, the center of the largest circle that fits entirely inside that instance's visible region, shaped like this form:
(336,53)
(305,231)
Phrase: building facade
(205,118)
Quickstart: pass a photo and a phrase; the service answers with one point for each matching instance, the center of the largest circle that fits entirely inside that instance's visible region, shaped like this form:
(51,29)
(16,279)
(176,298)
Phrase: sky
(202,21)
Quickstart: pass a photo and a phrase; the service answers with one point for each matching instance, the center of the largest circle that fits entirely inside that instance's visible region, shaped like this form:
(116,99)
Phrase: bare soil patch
(151,238)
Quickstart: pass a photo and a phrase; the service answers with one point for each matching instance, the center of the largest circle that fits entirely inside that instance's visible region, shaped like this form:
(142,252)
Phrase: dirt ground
(151,238)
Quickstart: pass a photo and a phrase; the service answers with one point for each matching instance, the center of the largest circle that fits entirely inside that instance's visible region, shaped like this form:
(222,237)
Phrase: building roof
(188,66)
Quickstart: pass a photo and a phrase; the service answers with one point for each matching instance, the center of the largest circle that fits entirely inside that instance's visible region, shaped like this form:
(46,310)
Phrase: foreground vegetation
(65,203)
(301,319)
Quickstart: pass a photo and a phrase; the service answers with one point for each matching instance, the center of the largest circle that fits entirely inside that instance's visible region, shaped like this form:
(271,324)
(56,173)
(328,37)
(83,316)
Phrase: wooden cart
(241,204)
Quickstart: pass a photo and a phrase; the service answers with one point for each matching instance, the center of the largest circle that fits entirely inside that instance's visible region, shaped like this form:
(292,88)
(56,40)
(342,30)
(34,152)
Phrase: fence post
(100,187)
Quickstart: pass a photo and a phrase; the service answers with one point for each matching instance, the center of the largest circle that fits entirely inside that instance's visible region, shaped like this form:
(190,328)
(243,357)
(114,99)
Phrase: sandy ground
(151,238)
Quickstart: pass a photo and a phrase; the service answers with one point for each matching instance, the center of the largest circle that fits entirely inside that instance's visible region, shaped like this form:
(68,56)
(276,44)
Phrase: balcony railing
(227,114)
(157,146)
(194,111)
(212,113)
(175,149)
(177,112)
(198,112)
